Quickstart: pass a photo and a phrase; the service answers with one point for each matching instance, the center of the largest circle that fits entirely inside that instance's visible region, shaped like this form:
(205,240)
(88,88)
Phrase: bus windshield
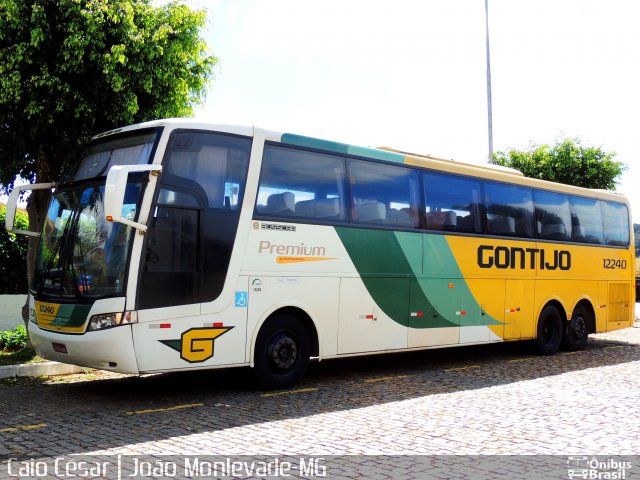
(82,256)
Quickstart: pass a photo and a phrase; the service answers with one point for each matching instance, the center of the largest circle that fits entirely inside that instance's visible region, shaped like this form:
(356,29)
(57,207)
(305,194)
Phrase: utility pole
(489,107)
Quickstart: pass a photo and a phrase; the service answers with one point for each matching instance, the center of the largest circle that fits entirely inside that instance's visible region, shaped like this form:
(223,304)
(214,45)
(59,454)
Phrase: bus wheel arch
(576,331)
(284,343)
(550,327)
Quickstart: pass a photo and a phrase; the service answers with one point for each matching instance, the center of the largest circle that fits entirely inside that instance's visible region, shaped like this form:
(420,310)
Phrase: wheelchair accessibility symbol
(241,299)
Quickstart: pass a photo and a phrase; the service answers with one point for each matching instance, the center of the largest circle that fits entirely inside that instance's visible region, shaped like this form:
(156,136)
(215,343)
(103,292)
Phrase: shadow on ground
(115,412)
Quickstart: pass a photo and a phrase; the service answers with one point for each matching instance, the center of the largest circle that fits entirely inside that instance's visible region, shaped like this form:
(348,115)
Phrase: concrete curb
(38,369)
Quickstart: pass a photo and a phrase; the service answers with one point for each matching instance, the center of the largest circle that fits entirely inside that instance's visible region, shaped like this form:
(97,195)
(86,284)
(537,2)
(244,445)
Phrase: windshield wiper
(57,250)
(68,258)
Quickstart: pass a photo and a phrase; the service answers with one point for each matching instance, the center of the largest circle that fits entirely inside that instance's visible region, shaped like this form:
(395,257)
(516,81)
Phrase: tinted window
(384,194)
(452,203)
(214,164)
(586,220)
(553,216)
(125,149)
(194,224)
(509,210)
(297,183)
(616,224)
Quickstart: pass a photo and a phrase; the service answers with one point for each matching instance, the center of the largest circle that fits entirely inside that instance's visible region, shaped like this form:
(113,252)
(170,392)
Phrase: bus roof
(489,166)
(387,154)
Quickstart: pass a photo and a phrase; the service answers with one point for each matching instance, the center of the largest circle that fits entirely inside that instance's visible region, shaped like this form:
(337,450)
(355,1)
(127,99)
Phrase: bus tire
(576,331)
(282,352)
(549,332)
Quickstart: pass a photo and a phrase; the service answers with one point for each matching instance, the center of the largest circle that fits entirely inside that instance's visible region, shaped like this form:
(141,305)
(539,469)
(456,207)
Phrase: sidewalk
(38,369)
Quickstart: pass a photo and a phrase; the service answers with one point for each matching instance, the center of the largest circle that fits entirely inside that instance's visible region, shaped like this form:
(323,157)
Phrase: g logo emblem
(196,344)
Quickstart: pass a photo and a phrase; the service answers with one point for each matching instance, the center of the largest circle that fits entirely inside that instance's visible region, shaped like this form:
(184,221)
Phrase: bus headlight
(109,320)
(104,320)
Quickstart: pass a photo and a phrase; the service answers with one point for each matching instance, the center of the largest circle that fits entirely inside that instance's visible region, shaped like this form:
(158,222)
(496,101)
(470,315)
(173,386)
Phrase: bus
(177,244)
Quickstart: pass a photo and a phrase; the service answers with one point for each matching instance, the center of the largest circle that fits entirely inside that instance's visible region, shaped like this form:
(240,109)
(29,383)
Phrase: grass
(25,355)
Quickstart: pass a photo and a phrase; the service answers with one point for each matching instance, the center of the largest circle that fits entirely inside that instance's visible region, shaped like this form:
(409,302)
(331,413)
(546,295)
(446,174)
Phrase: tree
(13,250)
(568,161)
(73,68)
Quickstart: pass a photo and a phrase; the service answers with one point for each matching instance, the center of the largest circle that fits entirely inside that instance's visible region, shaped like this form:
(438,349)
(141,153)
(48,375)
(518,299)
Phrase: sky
(413,74)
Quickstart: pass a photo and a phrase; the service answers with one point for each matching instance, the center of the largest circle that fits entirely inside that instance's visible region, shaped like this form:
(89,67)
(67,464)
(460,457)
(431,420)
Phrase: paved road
(495,399)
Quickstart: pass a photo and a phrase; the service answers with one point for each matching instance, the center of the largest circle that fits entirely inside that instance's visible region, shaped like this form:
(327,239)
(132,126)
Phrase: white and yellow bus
(178,245)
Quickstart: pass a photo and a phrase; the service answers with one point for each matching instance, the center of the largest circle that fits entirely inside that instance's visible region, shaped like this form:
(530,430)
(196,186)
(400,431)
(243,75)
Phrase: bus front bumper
(110,349)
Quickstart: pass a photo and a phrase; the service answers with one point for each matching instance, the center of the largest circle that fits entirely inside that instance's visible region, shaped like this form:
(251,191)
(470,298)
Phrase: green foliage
(12,340)
(24,355)
(13,252)
(73,68)
(568,161)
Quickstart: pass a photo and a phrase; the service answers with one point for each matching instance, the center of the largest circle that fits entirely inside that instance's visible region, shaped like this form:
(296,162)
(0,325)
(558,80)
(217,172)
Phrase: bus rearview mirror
(12,206)
(114,192)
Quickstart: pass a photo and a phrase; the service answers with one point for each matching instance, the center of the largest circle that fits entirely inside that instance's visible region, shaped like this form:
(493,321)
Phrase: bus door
(187,318)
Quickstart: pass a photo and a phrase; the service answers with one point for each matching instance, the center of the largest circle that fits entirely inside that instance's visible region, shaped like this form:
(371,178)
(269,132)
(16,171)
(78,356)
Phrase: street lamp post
(489,108)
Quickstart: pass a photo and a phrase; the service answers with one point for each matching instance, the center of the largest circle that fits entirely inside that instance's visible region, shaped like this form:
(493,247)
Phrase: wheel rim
(282,352)
(579,327)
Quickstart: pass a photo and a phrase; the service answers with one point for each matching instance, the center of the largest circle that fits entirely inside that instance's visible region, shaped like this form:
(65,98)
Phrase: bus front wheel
(549,331)
(282,352)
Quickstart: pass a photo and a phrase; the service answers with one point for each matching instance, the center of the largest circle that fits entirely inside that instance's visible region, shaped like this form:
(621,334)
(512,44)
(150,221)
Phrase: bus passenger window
(616,224)
(509,210)
(452,203)
(384,194)
(301,184)
(553,217)
(586,220)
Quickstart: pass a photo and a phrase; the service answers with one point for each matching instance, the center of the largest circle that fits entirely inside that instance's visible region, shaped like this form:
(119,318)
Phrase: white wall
(11,311)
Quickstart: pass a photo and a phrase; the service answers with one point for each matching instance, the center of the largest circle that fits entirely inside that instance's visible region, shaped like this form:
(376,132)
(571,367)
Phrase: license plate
(59,347)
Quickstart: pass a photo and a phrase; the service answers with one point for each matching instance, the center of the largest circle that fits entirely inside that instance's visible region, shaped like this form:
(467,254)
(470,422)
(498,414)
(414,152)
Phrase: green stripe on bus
(70,315)
(341,148)
(392,269)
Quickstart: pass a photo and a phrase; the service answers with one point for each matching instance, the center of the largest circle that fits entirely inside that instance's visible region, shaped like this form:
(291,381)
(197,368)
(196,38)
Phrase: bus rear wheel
(549,331)
(282,352)
(576,331)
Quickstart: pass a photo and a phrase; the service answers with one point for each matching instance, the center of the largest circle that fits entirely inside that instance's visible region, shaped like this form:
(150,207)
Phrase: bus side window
(553,217)
(384,194)
(452,203)
(586,220)
(301,184)
(616,223)
(509,210)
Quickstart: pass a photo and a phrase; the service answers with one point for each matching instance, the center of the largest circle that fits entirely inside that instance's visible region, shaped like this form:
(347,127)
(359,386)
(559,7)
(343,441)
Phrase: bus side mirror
(114,191)
(12,206)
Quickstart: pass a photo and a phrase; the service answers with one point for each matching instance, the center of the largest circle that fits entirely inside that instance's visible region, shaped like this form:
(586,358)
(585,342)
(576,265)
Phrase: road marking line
(22,428)
(461,369)
(570,353)
(613,347)
(385,379)
(167,409)
(288,392)
(514,360)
